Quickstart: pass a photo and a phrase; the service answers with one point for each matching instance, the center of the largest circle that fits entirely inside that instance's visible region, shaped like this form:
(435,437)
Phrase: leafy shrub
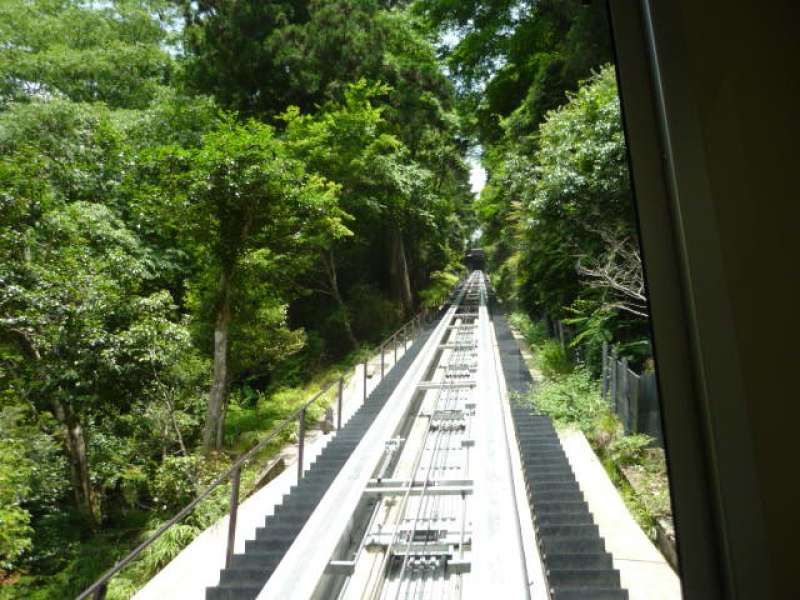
(505,278)
(437,293)
(553,360)
(605,429)
(289,400)
(594,325)
(17,475)
(178,479)
(32,481)
(173,484)
(534,332)
(629,449)
(168,546)
(572,399)
(373,314)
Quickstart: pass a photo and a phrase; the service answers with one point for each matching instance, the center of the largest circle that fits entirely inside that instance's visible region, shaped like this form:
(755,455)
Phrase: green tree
(246,200)
(15,474)
(561,220)
(580,196)
(234,53)
(73,308)
(315,51)
(112,52)
(516,57)
(385,191)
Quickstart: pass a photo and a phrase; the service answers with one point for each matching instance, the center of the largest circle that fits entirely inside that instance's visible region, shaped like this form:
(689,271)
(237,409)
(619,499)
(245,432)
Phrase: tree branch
(618,270)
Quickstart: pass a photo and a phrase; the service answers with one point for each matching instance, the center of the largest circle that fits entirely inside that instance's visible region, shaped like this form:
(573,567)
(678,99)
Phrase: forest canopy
(203,205)
(206,205)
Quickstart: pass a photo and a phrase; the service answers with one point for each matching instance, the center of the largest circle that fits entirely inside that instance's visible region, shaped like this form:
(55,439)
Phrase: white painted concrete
(644,572)
(537,582)
(498,558)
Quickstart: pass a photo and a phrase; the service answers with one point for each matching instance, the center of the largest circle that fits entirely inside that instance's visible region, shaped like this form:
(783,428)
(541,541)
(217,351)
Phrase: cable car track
(436,516)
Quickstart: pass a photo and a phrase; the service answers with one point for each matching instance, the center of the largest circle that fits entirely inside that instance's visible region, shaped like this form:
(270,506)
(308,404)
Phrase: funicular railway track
(422,488)
(418,533)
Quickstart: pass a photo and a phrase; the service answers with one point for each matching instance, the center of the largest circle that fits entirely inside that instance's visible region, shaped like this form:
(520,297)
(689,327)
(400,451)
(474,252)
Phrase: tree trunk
(398,271)
(175,427)
(330,268)
(75,445)
(215,411)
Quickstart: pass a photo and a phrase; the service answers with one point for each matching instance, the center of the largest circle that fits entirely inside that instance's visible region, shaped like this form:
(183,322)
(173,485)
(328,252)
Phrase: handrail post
(235,479)
(97,590)
(339,403)
(405,337)
(365,380)
(613,382)
(626,397)
(383,348)
(394,343)
(301,440)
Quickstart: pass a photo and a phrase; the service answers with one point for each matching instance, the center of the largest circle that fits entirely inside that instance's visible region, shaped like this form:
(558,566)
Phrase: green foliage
(638,510)
(572,399)
(364,102)
(132,208)
(558,202)
(517,58)
(59,151)
(245,425)
(629,450)
(637,469)
(534,332)
(581,187)
(553,359)
(373,313)
(111,52)
(174,482)
(16,472)
(439,290)
(244,190)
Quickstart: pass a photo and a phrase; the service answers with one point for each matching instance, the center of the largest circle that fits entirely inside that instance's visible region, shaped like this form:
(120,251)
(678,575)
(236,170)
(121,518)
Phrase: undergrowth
(176,482)
(570,395)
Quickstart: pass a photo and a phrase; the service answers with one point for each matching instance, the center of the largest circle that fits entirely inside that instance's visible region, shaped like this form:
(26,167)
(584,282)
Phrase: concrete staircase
(249,572)
(576,563)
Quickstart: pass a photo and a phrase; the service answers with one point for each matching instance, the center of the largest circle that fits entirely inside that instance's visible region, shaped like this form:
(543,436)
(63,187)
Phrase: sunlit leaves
(112,52)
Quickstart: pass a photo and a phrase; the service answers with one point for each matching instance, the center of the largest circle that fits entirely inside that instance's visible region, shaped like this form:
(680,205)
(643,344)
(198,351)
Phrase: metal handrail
(98,589)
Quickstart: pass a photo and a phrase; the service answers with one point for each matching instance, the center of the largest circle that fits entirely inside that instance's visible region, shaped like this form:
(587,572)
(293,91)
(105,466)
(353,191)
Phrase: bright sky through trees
(477,175)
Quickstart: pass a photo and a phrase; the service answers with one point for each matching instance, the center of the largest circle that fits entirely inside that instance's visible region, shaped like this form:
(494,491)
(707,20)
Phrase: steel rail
(404,501)
(458,358)
(446,396)
(378,571)
(376,592)
(437,440)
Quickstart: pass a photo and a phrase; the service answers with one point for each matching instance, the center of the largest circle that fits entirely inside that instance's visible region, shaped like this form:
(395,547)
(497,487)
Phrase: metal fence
(633,396)
(329,396)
